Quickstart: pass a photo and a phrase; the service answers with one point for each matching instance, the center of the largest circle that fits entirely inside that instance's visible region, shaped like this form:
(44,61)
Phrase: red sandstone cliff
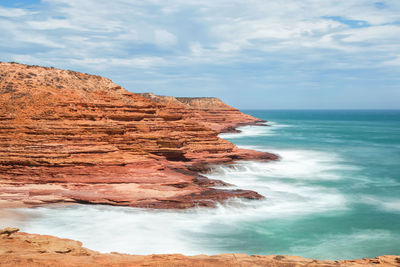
(208,111)
(22,249)
(69,137)
(66,136)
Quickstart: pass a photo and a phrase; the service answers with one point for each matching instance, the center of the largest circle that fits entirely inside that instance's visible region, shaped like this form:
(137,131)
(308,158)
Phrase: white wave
(389,204)
(355,244)
(287,185)
(254,130)
(107,229)
(276,124)
(138,231)
(392,205)
(293,164)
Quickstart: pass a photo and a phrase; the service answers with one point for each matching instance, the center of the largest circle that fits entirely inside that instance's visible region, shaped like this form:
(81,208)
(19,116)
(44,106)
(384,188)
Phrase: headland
(73,138)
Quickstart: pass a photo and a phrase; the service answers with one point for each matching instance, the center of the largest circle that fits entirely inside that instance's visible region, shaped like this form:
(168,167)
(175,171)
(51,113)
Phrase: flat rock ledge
(70,137)
(23,249)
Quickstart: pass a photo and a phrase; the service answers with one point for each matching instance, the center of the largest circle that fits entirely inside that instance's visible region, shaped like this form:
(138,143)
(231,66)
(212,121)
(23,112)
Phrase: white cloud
(13,12)
(153,33)
(393,62)
(164,38)
(375,34)
(26,59)
(139,62)
(52,24)
(135,62)
(36,38)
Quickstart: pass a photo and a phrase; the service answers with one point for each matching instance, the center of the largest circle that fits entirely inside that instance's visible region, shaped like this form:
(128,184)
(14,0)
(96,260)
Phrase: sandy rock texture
(208,111)
(22,249)
(70,137)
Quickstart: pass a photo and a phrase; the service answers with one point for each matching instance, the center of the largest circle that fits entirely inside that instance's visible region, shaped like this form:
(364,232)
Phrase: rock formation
(69,137)
(22,249)
(208,111)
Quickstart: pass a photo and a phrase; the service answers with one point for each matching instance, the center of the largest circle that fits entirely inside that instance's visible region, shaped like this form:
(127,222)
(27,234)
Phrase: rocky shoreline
(23,249)
(69,137)
(73,138)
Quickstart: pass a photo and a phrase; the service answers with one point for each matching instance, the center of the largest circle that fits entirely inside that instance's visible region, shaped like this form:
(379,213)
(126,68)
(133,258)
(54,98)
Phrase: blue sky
(262,54)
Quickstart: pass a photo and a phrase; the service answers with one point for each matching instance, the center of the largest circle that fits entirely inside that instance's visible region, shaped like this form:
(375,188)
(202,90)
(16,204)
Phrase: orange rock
(69,137)
(22,249)
(8,231)
(208,111)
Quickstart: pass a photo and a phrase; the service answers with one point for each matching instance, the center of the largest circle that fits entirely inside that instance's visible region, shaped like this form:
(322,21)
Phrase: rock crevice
(70,137)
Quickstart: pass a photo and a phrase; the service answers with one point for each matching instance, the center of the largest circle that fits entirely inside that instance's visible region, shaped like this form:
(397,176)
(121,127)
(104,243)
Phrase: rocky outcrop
(71,137)
(208,111)
(22,249)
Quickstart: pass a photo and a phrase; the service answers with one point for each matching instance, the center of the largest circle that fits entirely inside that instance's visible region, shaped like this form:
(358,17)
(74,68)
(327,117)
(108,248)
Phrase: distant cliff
(72,137)
(208,111)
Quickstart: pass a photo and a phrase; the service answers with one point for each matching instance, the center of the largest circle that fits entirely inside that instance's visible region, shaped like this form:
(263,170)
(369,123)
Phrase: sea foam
(286,184)
(267,129)
(300,193)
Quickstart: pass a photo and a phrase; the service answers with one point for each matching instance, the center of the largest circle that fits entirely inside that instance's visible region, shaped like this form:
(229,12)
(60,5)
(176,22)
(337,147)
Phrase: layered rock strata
(22,249)
(208,111)
(69,137)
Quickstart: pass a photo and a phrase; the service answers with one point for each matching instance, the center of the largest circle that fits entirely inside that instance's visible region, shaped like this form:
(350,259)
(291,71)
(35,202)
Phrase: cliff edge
(70,137)
(210,112)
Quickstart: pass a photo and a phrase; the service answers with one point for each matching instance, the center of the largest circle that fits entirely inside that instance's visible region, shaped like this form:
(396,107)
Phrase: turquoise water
(361,154)
(334,194)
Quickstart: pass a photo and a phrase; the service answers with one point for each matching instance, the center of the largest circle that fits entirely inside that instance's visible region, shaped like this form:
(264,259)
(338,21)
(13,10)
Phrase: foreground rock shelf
(22,249)
(70,137)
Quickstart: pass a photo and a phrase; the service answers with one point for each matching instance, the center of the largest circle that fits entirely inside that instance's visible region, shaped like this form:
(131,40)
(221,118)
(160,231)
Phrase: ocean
(334,194)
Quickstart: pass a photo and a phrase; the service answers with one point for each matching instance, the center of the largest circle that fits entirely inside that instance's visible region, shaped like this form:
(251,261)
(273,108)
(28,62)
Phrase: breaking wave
(350,245)
(286,184)
(267,129)
(328,199)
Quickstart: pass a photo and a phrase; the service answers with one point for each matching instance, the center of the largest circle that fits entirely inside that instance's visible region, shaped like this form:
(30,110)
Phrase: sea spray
(138,231)
(255,130)
(332,195)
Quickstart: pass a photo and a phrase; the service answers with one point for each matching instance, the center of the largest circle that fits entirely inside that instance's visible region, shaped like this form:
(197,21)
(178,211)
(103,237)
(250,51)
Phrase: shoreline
(196,171)
(213,196)
(71,137)
(23,249)
(68,255)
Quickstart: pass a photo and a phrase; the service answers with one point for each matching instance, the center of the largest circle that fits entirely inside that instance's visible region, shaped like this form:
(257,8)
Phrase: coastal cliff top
(15,76)
(72,137)
(204,102)
(43,88)
(189,102)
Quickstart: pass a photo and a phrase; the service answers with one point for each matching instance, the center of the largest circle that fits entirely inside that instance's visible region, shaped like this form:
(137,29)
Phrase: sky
(253,54)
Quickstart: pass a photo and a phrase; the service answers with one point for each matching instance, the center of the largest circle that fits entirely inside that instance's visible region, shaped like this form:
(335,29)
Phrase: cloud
(164,38)
(13,12)
(52,24)
(223,29)
(137,62)
(393,62)
(374,34)
(223,39)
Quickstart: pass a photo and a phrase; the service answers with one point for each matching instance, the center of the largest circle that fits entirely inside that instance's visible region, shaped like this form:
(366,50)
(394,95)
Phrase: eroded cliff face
(208,111)
(22,249)
(72,137)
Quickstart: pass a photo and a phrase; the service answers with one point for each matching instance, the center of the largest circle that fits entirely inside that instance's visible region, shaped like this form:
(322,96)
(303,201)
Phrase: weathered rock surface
(208,111)
(69,137)
(22,249)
